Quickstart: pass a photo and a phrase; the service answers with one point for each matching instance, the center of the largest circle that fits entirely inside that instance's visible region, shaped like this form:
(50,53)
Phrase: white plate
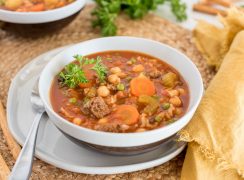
(54,148)
(43,16)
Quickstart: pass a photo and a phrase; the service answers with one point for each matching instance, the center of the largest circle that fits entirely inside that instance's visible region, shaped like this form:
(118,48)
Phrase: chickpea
(121,75)
(103,91)
(139,58)
(142,75)
(120,94)
(181,91)
(115,70)
(77,121)
(111,100)
(173,93)
(138,68)
(175,101)
(114,79)
(124,127)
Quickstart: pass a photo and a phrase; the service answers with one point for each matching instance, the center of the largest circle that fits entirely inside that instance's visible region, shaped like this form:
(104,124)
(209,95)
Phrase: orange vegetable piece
(90,76)
(86,85)
(141,85)
(60,4)
(128,114)
(37,7)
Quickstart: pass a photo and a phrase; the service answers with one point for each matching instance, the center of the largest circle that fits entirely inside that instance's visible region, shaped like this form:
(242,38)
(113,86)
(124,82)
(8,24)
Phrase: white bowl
(43,16)
(122,140)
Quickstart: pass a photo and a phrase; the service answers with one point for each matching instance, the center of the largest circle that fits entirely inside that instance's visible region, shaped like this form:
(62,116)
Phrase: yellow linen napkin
(197,167)
(216,132)
(214,42)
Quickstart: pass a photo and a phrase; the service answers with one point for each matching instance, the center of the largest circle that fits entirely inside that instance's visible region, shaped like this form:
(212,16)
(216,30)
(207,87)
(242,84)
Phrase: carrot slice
(141,85)
(86,85)
(90,76)
(128,114)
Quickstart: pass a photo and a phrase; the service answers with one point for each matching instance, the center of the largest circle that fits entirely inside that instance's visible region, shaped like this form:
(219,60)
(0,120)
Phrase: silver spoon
(23,166)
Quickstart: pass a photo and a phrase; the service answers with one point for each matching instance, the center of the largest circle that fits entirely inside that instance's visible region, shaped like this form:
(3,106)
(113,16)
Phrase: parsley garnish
(108,10)
(100,69)
(73,73)
(85,61)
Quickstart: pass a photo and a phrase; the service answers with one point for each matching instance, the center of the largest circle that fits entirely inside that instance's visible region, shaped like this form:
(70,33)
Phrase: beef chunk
(98,107)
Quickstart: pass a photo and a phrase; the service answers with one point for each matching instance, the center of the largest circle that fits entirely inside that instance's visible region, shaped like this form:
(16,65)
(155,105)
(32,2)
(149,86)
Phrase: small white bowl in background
(42,16)
(122,140)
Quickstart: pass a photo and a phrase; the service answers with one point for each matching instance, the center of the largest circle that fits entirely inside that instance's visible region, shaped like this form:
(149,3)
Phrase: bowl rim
(150,132)
(56,10)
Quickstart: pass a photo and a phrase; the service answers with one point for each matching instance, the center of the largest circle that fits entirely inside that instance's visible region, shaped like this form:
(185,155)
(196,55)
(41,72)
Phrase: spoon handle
(23,166)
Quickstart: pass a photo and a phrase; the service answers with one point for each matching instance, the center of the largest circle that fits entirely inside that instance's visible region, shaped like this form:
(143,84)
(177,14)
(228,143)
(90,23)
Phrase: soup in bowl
(119,92)
(32,5)
(123,93)
(38,11)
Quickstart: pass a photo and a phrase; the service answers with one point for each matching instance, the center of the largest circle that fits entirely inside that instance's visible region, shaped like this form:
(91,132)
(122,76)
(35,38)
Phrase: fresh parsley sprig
(84,60)
(73,73)
(100,69)
(108,10)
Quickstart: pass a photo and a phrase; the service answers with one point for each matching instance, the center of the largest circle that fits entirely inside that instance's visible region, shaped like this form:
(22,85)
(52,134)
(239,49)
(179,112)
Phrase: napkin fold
(214,42)
(216,132)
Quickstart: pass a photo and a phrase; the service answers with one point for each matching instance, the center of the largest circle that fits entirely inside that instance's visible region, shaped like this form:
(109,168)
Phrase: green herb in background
(179,9)
(108,10)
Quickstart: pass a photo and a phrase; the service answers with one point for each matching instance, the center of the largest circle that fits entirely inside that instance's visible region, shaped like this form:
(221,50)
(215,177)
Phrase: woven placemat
(20,43)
